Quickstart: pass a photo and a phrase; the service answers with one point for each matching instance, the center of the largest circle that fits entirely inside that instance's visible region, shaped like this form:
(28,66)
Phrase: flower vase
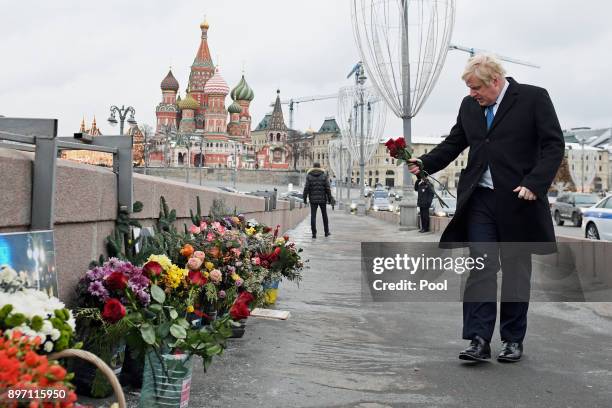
(92,382)
(167,380)
(271,292)
(238,329)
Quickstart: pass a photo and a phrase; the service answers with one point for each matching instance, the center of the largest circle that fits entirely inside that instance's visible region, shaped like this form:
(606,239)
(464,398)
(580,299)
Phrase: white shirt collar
(501,94)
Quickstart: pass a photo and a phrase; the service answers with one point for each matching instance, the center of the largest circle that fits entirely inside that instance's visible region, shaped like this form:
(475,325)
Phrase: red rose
(266,230)
(152,269)
(113,311)
(116,281)
(400,143)
(390,144)
(197,278)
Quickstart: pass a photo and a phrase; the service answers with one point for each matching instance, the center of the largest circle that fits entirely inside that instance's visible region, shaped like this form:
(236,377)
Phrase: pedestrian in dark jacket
(425,197)
(317,190)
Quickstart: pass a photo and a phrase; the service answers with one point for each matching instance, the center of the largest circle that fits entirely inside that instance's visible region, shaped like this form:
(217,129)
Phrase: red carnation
(116,281)
(113,311)
(240,308)
(277,251)
(197,278)
(152,269)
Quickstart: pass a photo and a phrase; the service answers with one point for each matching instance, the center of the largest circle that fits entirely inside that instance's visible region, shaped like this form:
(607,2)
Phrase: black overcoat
(523,147)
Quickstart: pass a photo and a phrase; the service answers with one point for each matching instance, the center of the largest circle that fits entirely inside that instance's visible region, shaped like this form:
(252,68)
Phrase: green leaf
(148,333)
(163,330)
(178,331)
(183,322)
(173,314)
(156,307)
(158,294)
(214,350)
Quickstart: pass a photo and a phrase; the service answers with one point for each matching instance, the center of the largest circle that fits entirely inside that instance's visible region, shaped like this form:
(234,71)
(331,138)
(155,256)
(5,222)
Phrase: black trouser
(479,302)
(424,218)
(313,218)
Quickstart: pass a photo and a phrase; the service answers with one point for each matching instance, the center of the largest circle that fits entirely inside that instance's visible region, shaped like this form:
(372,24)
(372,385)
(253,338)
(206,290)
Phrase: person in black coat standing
(425,197)
(516,147)
(318,192)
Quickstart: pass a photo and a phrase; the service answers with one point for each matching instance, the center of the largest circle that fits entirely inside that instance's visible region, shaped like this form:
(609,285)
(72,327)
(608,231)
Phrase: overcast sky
(66,58)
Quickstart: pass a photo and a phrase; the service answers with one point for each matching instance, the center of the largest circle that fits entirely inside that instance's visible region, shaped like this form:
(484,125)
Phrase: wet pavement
(338,351)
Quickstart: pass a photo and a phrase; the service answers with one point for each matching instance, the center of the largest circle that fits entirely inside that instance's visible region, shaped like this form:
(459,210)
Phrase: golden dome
(204,24)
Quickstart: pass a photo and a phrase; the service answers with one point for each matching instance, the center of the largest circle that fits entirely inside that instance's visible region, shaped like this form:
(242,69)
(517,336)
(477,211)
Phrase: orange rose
(187,250)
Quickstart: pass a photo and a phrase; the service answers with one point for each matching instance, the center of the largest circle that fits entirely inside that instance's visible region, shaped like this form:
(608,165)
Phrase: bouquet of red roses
(400,151)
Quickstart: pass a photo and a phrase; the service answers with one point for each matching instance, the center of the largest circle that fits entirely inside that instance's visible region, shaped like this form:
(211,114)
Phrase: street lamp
(122,112)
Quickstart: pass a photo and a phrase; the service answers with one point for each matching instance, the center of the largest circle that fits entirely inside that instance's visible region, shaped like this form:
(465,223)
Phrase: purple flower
(143,297)
(96,288)
(222,294)
(239,282)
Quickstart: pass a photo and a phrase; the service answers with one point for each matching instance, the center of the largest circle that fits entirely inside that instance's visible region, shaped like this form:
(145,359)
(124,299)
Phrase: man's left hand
(525,194)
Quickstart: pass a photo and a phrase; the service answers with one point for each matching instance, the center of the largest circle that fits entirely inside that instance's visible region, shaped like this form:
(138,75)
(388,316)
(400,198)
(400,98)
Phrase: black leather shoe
(327,234)
(314,237)
(511,352)
(421,230)
(479,350)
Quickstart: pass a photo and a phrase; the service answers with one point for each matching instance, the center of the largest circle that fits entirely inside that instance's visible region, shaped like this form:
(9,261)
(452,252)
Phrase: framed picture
(34,254)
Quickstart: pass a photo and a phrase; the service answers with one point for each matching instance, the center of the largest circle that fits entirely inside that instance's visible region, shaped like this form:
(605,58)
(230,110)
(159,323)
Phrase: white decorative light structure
(362,115)
(403,45)
(339,161)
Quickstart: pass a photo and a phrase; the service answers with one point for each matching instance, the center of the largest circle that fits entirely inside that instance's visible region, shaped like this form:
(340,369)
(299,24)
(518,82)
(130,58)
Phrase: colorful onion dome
(242,91)
(169,83)
(216,85)
(188,103)
(234,108)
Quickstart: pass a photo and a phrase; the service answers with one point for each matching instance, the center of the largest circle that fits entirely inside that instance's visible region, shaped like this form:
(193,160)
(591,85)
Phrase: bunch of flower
(402,153)
(11,281)
(23,369)
(37,315)
(103,288)
(174,281)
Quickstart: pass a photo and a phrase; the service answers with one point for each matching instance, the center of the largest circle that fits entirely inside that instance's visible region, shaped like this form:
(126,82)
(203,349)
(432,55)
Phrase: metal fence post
(43,184)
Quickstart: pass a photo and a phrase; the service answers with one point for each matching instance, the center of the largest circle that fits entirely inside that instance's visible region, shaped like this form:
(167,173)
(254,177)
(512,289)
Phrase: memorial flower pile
(23,369)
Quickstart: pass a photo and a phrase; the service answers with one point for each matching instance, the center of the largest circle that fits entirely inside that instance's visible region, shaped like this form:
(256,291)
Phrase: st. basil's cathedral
(198,122)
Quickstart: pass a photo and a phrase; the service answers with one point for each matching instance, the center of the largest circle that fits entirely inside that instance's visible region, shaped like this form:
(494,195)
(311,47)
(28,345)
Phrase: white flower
(48,347)
(7,274)
(55,334)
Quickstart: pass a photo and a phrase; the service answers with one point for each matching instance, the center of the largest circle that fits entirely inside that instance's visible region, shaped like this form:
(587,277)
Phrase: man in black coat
(318,191)
(425,195)
(516,147)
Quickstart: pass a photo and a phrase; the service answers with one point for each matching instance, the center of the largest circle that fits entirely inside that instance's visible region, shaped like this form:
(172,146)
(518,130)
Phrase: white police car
(597,220)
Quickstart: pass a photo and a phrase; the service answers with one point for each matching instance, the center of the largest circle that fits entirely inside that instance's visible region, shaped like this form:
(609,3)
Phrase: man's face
(484,95)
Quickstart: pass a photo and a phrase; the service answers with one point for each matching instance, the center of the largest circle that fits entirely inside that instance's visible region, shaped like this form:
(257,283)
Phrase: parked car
(367,191)
(381,201)
(439,211)
(569,206)
(597,220)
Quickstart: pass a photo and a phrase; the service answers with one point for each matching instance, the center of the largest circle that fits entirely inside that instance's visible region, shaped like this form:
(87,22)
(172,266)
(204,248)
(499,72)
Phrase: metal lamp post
(122,112)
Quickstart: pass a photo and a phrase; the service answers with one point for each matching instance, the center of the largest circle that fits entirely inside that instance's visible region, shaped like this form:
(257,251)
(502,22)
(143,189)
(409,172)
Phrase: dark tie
(490,116)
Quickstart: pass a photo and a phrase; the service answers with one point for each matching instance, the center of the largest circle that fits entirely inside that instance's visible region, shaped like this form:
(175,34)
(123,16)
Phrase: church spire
(277,122)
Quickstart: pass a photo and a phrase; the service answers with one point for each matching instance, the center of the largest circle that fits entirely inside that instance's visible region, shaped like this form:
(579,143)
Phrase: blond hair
(485,67)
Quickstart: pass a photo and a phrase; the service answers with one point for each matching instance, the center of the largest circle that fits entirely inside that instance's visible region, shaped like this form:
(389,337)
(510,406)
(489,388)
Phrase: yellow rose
(210,266)
(190,309)
(250,231)
(235,276)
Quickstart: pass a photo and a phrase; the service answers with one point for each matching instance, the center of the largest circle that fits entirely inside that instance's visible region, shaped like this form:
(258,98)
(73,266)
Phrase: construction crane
(296,101)
(473,51)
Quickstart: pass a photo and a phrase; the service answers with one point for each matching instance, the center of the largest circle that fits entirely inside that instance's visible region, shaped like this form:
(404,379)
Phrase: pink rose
(210,237)
(215,276)
(194,230)
(193,264)
(199,254)
(222,294)
(203,225)
(256,261)
(236,251)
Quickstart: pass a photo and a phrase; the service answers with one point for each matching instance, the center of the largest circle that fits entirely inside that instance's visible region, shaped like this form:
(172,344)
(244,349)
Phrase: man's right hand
(413,166)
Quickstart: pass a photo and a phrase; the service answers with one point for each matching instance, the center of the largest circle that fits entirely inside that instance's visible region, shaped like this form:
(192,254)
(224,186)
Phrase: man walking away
(425,197)
(318,191)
